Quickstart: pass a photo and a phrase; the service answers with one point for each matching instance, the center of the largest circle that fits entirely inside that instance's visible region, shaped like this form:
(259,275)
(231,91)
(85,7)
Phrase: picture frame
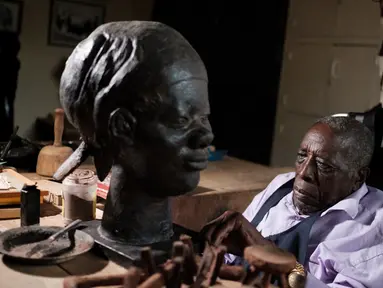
(70,21)
(11,13)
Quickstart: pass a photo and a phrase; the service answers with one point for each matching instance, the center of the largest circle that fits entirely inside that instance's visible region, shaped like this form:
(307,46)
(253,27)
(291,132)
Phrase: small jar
(79,196)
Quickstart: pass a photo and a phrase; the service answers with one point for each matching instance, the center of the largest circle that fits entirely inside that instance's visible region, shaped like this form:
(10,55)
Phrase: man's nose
(307,170)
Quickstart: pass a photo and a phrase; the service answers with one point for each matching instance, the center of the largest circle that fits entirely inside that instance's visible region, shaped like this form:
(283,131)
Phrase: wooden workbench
(229,184)
(225,185)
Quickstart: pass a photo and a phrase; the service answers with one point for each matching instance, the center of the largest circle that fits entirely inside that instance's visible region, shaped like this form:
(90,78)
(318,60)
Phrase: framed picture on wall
(72,21)
(11,12)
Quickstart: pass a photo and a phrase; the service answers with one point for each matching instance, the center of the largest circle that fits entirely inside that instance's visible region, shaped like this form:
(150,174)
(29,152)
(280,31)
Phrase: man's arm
(312,282)
(357,269)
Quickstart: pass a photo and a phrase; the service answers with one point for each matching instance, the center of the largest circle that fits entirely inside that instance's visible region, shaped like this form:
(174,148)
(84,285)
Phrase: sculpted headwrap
(119,64)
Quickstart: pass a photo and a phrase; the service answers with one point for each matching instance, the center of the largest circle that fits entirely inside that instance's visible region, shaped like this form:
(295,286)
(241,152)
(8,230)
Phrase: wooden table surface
(225,185)
(228,184)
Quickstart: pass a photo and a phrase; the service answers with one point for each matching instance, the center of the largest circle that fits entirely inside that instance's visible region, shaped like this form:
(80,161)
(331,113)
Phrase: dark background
(241,43)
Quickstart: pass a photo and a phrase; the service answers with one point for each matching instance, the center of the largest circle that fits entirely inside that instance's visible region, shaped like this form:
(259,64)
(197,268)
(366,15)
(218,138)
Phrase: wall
(381,58)
(329,67)
(37,94)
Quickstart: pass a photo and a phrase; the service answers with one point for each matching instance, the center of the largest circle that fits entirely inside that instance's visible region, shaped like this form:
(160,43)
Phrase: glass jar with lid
(79,196)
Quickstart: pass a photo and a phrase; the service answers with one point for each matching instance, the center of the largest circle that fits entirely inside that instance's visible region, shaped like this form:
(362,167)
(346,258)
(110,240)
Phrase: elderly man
(323,212)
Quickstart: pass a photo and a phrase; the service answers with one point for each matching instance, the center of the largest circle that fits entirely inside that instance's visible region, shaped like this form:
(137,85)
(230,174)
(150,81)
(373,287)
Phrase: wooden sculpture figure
(185,269)
(138,94)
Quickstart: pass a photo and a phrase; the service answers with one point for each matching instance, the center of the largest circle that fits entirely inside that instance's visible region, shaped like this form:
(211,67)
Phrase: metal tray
(13,243)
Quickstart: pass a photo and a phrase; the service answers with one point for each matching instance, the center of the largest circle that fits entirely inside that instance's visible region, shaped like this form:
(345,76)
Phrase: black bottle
(30,205)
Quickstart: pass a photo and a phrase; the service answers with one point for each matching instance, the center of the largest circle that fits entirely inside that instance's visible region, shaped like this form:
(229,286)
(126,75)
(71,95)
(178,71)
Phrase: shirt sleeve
(229,259)
(365,274)
(312,282)
(340,281)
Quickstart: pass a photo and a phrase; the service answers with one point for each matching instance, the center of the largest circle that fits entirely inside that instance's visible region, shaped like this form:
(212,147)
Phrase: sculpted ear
(362,177)
(122,126)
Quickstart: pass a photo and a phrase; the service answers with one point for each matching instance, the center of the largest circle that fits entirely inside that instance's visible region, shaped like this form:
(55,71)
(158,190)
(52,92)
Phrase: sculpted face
(322,174)
(170,148)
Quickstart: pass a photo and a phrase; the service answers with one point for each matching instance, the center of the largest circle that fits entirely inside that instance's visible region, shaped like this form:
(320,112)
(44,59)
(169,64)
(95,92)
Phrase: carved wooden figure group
(187,268)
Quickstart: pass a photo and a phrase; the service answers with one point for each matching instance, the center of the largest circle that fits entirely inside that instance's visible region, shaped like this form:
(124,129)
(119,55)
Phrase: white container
(79,196)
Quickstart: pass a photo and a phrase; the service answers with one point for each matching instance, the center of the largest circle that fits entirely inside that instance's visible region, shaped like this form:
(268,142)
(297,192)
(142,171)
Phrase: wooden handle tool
(51,157)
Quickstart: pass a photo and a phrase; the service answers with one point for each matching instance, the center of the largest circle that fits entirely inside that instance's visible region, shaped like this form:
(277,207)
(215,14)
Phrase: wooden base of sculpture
(127,255)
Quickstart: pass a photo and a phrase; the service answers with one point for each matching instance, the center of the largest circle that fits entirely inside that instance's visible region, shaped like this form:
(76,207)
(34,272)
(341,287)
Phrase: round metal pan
(15,242)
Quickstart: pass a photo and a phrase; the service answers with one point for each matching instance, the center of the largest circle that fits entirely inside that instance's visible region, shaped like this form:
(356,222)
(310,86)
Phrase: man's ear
(362,175)
(122,125)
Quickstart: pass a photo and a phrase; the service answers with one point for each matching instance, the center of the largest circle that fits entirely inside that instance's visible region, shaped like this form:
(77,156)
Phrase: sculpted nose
(201,138)
(206,139)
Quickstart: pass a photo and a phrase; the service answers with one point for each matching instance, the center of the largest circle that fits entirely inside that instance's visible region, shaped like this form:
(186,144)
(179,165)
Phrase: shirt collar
(350,204)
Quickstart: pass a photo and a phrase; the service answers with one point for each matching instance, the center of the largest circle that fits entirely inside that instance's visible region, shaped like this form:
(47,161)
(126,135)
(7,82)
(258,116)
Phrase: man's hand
(232,230)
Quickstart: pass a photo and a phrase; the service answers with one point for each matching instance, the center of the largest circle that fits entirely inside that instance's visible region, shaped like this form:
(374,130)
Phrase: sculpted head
(332,163)
(138,94)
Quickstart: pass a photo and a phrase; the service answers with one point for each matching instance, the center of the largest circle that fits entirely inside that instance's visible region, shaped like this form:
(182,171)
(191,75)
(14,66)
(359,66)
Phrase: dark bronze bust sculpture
(138,94)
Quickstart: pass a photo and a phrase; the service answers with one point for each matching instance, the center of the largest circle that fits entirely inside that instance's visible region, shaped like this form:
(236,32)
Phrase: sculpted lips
(196,160)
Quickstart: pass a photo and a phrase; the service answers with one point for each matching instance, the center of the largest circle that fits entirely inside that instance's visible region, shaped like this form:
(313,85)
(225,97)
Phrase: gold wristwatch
(297,277)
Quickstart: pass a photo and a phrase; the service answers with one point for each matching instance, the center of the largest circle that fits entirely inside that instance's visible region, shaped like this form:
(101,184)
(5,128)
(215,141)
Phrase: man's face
(322,175)
(172,147)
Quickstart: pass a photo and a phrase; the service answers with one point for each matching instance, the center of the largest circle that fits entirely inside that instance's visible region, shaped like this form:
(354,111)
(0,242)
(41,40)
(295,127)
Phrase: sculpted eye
(204,118)
(183,120)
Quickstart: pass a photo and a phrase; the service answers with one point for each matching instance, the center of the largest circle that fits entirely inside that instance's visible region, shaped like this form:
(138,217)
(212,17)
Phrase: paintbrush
(8,146)
(46,243)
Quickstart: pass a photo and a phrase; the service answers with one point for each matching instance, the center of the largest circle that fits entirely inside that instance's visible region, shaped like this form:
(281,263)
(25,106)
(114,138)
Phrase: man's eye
(324,167)
(300,157)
